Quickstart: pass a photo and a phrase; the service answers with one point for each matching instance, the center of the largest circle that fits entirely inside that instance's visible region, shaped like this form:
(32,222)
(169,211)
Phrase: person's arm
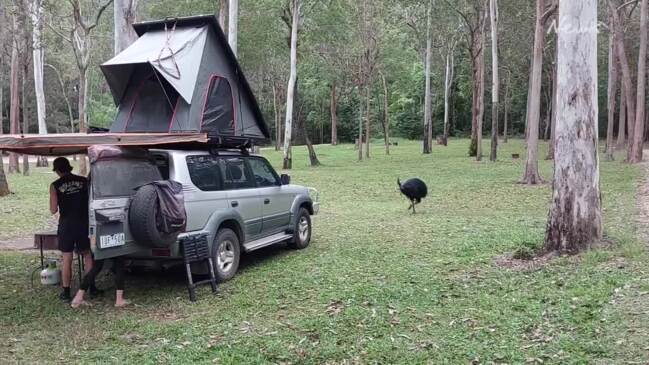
(54,202)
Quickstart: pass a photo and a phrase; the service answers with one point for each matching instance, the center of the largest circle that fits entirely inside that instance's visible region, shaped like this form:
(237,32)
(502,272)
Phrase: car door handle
(266,201)
(235,204)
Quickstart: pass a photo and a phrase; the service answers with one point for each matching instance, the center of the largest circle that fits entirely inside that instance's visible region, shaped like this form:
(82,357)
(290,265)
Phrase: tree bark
(575,219)
(495,93)
(233,24)
(386,116)
(223,10)
(14,98)
(124,15)
(334,114)
(368,115)
(638,130)
(428,138)
(553,123)
(531,175)
(448,82)
(621,129)
(623,61)
(38,57)
(360,127)
(290,91)
(612,95)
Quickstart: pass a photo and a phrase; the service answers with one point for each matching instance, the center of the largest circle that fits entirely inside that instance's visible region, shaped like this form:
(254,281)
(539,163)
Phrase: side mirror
(285,179)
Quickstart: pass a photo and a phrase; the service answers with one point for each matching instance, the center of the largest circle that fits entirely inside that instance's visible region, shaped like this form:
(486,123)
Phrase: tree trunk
(25,120)
(38,57)
(290,91)
(334,114)
(4,185)
(313,158)
(495,93)
(233,24)
(612,95)
(428,138)
(386,116)
(124,15)
(575,219)
(621,130)
(83,97)
(623,61)
(553,127)
(278,124)
(481,87)
(360,129)
(638,130)
(14,101)
(223,10)
(531,175)
(368,136)
(448,82)
(506,116)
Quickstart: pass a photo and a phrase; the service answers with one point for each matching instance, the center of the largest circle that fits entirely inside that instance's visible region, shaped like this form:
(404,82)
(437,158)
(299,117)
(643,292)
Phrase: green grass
(377,285)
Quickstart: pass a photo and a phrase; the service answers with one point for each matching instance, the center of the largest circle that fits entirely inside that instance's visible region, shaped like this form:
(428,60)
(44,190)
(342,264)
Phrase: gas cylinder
(51,275)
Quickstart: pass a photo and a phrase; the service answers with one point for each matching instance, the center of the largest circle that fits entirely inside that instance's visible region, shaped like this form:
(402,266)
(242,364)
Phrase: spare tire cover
(142,219)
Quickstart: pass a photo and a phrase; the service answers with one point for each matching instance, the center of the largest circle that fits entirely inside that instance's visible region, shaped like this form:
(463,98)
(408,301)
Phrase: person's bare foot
(122,303)
(77,304)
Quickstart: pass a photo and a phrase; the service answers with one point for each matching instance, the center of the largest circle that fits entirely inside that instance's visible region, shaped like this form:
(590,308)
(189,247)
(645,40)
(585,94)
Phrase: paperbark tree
(627,83)
(290,90)
(612,94)
(495,89)
(124,15)
(223,11)
(386,115)
(428,121)
(531,174)
(233,25)
(638,130)
(333,110)
(575,219)
(621,129)
(14,93)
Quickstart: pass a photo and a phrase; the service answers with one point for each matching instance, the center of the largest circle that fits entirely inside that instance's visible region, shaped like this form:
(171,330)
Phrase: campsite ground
(377,285)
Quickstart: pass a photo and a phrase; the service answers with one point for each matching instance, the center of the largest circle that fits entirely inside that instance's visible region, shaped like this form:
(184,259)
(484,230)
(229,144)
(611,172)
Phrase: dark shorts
(73,239)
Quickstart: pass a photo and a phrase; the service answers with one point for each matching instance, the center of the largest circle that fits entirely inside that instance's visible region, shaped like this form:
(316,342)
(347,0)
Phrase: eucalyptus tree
(296,19)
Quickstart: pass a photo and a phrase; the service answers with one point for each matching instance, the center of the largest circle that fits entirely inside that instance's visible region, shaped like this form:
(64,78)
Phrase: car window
(205,172)
(237,175)
(264,174)
(120,177)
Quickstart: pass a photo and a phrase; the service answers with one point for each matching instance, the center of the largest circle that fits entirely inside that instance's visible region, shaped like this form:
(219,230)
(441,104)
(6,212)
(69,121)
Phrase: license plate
(112,240)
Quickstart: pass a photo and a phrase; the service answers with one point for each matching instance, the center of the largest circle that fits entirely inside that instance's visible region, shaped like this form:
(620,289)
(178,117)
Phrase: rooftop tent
(181,76)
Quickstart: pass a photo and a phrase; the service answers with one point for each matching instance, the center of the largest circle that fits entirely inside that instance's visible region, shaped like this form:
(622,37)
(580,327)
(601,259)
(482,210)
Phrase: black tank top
(72,196)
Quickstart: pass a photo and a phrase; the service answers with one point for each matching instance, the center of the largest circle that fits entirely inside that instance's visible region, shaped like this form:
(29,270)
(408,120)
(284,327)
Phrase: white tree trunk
(223,9)
(290,91)
(495,89)
(427,97)
(448,81)
(531,175)
(575,219)
(124,15)
(638,130)
(233,24)
(36,14)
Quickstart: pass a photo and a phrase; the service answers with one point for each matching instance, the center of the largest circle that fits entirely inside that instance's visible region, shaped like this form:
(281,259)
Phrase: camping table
(48,241)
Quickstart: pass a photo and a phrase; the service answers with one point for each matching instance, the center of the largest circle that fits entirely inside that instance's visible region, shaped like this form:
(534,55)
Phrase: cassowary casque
(415,190)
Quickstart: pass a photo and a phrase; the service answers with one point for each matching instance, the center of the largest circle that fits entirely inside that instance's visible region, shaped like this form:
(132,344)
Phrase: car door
(277,201)
(242,194)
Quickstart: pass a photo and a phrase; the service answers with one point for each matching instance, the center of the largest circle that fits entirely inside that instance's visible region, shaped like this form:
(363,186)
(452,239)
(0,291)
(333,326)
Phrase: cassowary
(415,190)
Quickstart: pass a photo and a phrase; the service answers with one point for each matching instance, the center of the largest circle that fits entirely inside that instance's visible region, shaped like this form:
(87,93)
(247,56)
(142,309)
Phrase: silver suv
(237,200)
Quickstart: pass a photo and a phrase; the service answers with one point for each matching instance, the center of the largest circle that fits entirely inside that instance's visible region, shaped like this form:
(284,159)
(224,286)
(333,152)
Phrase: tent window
(152,107)
(218,111)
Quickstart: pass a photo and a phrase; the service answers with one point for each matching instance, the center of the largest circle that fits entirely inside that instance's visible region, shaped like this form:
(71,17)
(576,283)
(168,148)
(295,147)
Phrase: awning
(175,53)
(69,144)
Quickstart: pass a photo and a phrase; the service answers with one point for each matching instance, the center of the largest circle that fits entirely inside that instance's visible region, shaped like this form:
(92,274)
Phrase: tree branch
(101,11)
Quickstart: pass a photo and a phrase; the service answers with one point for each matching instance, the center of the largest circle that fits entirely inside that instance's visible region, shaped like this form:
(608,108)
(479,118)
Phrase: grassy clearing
(378,285)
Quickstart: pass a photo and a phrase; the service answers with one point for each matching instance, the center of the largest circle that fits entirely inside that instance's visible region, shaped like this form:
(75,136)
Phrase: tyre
(226,253)
(301,231)
(142,220)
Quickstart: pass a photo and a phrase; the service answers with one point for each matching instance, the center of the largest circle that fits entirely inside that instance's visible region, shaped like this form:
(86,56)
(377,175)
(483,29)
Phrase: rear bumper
(316,208)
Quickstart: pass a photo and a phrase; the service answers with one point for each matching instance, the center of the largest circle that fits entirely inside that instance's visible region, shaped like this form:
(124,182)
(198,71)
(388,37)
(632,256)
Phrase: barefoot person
(69,198)
(89,278)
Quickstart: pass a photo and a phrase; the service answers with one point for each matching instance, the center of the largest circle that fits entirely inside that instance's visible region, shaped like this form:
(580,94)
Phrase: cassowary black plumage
(415,190)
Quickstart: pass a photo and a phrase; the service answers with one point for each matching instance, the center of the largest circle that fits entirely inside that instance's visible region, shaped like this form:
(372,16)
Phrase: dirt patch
(507,261)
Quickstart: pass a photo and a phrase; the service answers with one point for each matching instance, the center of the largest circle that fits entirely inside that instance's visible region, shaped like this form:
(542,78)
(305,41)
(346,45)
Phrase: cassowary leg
(413,207)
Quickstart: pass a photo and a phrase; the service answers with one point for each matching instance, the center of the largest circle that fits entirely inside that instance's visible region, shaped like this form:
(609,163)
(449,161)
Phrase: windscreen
(120,177)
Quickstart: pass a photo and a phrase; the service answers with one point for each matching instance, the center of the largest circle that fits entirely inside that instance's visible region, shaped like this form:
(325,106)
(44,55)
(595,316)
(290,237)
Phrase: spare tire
(143,220)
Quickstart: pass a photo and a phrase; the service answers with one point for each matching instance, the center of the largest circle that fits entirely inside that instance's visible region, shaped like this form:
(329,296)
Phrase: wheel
(301,231)
(143,220)
(226,253)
